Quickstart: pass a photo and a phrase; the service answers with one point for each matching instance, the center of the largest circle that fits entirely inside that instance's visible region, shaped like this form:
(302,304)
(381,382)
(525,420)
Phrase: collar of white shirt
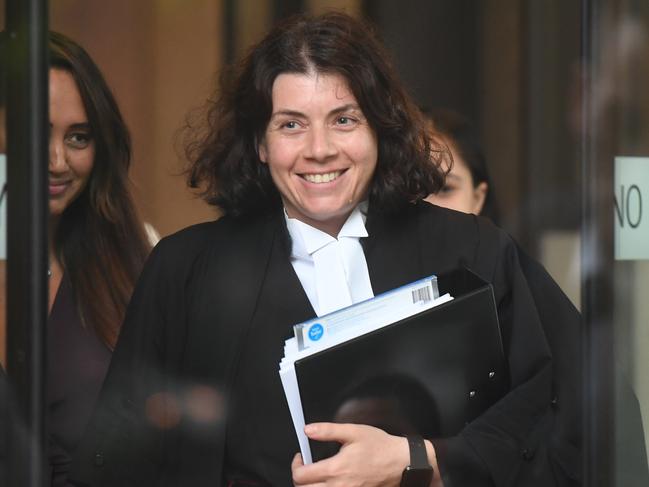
(332,271)
(307,239)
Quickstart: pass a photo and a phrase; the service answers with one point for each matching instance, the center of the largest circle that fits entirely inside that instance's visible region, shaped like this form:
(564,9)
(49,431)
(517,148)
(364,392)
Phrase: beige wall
(186,56)
(160,58)
(352,7)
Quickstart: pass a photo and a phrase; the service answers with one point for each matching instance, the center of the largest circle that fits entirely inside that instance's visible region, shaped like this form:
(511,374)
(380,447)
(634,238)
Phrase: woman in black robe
(312,130)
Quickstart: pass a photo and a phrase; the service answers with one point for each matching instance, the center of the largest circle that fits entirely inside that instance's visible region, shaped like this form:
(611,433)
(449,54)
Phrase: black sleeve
(160,417)
(562,326)
(528,438)
(124,441)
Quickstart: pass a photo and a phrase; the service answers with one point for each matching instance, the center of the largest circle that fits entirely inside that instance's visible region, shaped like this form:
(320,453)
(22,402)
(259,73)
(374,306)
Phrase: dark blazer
(200,292)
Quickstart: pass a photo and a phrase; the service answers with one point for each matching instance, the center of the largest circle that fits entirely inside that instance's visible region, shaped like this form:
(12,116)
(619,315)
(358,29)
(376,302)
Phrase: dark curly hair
(221,145)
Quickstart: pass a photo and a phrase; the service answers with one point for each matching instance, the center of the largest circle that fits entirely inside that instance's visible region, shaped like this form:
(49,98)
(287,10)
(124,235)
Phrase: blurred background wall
(160,58)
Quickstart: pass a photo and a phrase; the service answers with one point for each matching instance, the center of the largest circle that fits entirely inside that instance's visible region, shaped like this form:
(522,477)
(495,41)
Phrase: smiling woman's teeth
(322,178)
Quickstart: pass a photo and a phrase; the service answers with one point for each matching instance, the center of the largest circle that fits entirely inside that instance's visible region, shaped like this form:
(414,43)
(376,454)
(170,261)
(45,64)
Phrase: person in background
(97,246)
(97,242)
(468,187)
(319,161)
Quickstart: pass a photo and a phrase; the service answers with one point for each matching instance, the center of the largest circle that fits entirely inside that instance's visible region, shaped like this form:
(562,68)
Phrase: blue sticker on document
(315,332)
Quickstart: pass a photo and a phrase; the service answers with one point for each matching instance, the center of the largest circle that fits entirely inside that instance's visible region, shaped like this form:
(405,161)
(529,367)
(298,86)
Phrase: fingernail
(309,428)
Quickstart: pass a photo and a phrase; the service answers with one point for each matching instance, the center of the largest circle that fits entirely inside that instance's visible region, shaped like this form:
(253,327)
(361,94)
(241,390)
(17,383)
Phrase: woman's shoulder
(191,237)
(459,226)
(477,241)
(214,237)
(194,238)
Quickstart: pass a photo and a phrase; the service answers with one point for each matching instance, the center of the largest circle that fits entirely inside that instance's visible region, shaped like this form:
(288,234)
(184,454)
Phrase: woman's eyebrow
(80,126)
(287,113)
(294,113)
(345,108)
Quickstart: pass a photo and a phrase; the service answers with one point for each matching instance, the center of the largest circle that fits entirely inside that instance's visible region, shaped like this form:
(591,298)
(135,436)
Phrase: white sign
(631,208)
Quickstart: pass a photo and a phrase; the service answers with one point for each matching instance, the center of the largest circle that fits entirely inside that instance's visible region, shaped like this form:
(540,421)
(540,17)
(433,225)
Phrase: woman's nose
(321,145)
(57,156)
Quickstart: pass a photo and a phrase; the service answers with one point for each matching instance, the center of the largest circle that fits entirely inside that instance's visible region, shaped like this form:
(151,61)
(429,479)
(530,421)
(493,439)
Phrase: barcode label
(422,294)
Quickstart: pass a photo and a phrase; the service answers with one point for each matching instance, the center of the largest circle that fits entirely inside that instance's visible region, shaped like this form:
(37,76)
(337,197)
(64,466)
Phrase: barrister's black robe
(207,291)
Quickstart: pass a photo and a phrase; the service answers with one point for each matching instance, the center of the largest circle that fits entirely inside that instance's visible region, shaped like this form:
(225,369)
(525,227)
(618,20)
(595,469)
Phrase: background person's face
(72,148)
(319,148)
(458,192)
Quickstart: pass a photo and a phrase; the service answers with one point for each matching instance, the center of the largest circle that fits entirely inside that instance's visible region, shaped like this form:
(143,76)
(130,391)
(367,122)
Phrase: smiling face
(459,192)
(320,149)
(72,149)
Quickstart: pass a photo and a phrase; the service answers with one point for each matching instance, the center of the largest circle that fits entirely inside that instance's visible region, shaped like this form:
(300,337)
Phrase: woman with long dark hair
(97,242)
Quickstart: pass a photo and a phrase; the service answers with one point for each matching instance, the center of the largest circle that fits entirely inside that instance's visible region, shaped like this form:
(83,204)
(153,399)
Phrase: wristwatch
(419,473)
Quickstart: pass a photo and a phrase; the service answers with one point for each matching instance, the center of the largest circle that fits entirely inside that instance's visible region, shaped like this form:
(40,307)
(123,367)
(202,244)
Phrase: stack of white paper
(326,331)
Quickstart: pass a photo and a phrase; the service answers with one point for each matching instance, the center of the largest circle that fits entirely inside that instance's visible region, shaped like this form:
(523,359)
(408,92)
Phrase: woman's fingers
(342,433)
(306,475)
(368,456)
(297,461)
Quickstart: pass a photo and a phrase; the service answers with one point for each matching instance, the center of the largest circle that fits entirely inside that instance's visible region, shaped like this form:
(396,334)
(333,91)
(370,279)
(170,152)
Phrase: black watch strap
(419,473)
(418,456)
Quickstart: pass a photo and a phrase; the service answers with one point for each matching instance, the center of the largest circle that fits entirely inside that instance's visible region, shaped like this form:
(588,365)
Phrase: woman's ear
(479,196)
(262,151)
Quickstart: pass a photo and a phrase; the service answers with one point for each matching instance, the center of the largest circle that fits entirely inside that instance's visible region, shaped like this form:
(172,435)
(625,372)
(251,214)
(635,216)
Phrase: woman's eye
(79,140)
(344,120)
(290,125)
(446,189)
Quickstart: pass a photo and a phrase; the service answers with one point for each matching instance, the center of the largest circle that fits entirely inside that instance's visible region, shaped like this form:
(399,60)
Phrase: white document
(340,326)
(369,315)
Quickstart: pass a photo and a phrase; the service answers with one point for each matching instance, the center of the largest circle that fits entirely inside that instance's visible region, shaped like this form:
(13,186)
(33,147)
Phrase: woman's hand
(368,457)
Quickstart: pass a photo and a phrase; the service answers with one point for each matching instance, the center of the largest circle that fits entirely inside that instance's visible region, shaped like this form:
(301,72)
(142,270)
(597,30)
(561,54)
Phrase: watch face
(417,477)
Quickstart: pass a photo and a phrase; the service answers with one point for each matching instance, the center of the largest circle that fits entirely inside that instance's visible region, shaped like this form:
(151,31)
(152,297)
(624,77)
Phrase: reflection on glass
(396,403)
(620,104)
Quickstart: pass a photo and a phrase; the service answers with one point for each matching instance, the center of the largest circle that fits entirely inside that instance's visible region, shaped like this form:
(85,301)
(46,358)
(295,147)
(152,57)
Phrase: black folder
(429,374)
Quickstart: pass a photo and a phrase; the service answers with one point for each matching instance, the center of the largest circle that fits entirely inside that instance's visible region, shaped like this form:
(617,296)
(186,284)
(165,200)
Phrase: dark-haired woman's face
(459,192)
(72,149)
(319,148)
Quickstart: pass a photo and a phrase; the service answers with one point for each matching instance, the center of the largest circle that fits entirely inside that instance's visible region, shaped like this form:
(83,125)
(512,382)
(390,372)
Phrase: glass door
(615,242)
